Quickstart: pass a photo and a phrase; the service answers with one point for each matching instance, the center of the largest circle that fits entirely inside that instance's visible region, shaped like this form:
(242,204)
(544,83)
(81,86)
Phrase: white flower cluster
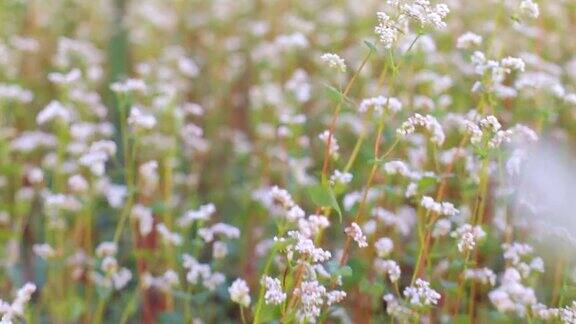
(164,282)
(355,232)
(388,267)
(380,105)
(306,248)
(240,293)
(334,61)
(326,137)
(274,294)
(468,236)
(427,122)
(420,294)
(482,275)
(112,277)
(312,296)
(14,310)
(520,257)
(512,295)
(201,214)
(443,208)
(196,270)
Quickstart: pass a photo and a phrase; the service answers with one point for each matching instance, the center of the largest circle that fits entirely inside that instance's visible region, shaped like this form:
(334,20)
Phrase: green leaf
(323,196)
(344,271)
(371,46)
(333,93)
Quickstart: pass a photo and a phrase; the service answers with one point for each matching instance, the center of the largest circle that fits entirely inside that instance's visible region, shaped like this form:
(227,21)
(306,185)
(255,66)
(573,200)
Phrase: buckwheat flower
(396,167)
(78,184)
(355,232)
(54,110)
(513,63)
(482,275)
(501,137)
(128,85)
(149,177)
(281,197)
(215,280)
(512,295)
(109,265)
(16,308)
(140,120)
(13,92)
(201,214)
(341,177)
(529,9)
(295,213)
(429,204)
(380,105)
(45,251)
(106,249)
(306,247)
(334,61)
(334,147)
(219,250)
(385,29)
(490,123)
(411,190)
(474,131)
(65,78)
(395,309)
(313,225)
(384,247)
(311,294)
(442,228)
(448,209)
(388,267)
(542,312)
(274,294)
(240,293)
(427,122)
(514,252)
(144,217)
(168,236)
(35,175)
(467,236)
(421,294)
(121,278)
(334,297)
(468,40)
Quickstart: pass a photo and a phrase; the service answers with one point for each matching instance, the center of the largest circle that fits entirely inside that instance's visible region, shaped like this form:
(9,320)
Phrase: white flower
(421,294)
(334,61)
(355,232)
(45,251)
(54,110)
(106,249)
(341,177)
(140,120)
(529,8)
(326,137)
(385,29)
(467,236)
(388,267)
(240,293)
(144,217)
(168,236)
(311,294)
(384,247)
(380,104)
(468,40)
(128,85)
(482,275)
(274,294)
